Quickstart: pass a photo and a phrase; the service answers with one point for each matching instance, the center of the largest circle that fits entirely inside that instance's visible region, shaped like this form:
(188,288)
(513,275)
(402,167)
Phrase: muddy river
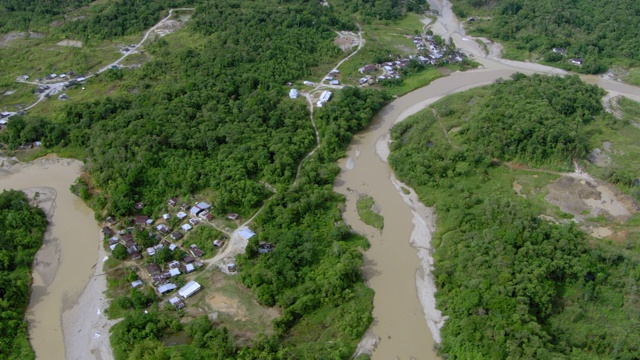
(399,262)
(397,266)
(64,264)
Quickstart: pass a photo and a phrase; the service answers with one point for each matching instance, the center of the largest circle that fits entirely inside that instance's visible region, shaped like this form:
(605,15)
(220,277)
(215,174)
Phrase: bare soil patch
(168,27)
(232,305)
(346,40)
(227,305)
(599,158)
(517,188)
(601,232)
(587,199)
(8,38)
(74,43)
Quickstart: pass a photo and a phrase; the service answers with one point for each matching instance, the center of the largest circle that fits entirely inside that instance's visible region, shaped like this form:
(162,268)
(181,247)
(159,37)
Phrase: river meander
(397,266)
(399,262)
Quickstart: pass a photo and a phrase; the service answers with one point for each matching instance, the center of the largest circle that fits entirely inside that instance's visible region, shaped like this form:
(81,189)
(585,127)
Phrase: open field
(233,305)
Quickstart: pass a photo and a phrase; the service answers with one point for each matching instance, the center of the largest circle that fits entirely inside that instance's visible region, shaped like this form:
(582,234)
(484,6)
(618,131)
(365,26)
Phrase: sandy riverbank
(424,226)
(84,324)
(67,287)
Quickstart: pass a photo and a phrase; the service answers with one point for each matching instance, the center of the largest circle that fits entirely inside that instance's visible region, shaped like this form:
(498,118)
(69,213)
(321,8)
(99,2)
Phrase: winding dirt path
(322,86)
(56,87)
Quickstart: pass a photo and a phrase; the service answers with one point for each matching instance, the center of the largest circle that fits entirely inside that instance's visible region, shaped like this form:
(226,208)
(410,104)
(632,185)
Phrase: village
(430,51)
(161,251)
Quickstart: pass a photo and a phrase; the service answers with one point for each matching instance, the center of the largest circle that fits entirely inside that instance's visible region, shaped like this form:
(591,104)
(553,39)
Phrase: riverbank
(63,266)
(361,173)
(85,326)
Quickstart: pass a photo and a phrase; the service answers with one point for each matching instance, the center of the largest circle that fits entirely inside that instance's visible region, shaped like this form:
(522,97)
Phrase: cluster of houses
(163,279)
(428,53)
(563,51)
(332,77)
(53,76)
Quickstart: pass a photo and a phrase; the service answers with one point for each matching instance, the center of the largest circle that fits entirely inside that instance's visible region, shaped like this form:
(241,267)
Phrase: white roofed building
(166,288)
(191,288)
(246,233)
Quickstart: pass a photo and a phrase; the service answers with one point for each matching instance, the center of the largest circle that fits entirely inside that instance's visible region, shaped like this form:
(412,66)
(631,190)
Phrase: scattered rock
(599,158)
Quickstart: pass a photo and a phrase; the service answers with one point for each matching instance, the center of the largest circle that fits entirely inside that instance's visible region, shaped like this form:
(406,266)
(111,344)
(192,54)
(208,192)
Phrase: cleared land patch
(74,43)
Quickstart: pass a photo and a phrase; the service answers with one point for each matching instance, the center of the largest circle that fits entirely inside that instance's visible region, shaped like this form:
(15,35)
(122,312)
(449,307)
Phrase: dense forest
(119,18)
(600,33)
(23,15)
(99,21)
(373,10)
(21,230)
(212,115)
(512,284)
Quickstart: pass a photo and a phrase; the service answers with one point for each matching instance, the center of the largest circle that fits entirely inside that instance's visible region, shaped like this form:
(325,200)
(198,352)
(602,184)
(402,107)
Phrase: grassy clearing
(625,160)
(625,149)
(415,81)
(633,77)
(395,36)
(236,306)
(368,214)
(483,46)
(630,109)
(40,57)
(203,236)
(382,39)
(17,96)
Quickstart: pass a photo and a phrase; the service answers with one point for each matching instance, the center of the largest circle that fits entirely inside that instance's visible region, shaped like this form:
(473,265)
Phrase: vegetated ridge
(514,277)
(599,33)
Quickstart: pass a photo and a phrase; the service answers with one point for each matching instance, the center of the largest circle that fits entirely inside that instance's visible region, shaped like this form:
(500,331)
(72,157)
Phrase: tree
(120,252)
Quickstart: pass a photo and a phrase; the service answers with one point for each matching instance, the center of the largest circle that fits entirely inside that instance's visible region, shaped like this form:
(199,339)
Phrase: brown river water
(64,264)
(397,266)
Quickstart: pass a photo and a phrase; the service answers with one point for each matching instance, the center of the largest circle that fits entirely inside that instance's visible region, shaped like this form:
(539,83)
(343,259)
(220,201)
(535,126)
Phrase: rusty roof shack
(176,235)
(127,237)
(108,231)
(175,301)
(173,201)
(141,220)
(163,229)
(153,269)
(206,215)
(158,279)
(195,251)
